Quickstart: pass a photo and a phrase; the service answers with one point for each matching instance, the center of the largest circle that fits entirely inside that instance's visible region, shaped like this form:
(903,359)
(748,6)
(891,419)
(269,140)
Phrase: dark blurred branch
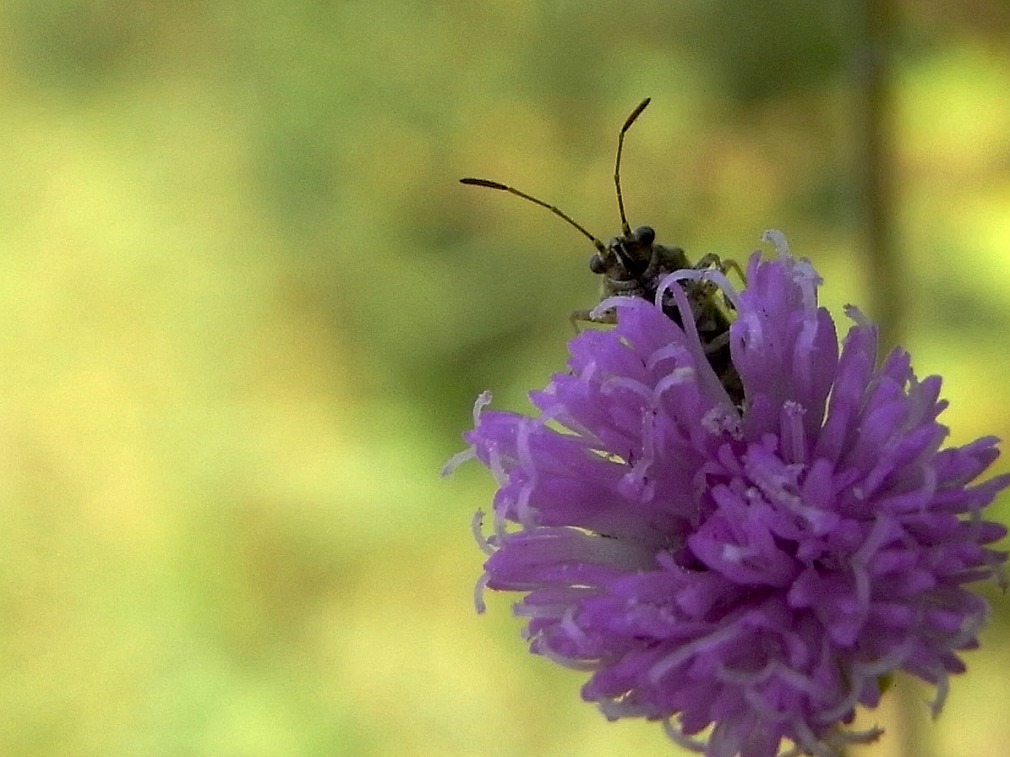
(878,153)
(887,284)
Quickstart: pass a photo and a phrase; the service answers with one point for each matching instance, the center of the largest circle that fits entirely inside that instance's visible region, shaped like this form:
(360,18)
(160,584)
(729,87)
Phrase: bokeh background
(245,309)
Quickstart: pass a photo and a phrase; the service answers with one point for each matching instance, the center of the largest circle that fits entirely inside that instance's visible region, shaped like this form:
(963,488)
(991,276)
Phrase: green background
(245,309)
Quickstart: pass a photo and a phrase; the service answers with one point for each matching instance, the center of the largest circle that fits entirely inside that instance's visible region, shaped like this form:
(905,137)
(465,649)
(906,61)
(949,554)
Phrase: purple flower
(746,574)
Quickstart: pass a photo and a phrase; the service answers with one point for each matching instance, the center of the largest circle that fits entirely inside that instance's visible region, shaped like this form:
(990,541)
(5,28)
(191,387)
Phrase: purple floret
(748,575)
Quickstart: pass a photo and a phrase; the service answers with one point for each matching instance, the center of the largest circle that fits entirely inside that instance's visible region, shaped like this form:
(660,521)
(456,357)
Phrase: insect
(634,265)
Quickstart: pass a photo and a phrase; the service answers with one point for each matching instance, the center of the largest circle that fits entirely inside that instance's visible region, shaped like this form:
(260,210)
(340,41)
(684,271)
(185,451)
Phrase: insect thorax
(635,267)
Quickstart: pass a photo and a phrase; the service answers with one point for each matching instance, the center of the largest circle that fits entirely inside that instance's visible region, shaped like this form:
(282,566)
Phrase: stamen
(713,275)
(478,593)
(478,534)
(778,239)
(457,460)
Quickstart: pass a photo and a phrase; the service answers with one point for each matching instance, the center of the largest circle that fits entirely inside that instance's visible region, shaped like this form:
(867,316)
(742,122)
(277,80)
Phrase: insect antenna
(512,190)
(617,168)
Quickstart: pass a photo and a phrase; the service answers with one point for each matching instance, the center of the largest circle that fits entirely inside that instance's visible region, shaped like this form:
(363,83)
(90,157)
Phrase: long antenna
(617,169)
(512,190)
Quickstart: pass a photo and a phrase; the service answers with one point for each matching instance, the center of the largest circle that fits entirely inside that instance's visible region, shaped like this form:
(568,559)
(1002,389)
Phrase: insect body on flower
(751,576)
(635,265)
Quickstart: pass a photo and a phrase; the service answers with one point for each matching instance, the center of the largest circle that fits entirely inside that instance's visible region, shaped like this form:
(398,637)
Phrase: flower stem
(887,296)
(877,117)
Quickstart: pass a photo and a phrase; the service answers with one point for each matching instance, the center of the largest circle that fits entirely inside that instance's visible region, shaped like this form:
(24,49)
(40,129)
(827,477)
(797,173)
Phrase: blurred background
(245,308)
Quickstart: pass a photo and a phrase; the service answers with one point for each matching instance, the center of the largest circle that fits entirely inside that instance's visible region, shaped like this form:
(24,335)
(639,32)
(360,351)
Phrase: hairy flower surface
(748,575)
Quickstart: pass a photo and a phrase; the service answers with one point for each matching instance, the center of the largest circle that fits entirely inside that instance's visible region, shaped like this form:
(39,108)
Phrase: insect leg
(586,316)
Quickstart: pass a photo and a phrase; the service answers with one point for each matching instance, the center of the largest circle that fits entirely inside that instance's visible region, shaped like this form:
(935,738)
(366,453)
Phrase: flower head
(747,572)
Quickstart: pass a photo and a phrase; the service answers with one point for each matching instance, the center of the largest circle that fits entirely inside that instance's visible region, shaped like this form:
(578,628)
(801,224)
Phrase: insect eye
(597,264)
(645,234)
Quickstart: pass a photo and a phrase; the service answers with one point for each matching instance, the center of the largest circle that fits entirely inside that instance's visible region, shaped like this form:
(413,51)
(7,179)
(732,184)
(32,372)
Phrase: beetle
(634,264)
